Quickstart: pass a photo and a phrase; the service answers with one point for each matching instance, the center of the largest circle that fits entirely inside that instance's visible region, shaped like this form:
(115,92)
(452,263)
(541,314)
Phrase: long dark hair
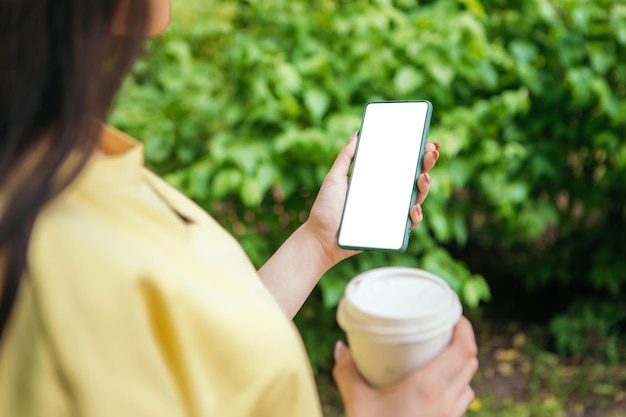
(60,68)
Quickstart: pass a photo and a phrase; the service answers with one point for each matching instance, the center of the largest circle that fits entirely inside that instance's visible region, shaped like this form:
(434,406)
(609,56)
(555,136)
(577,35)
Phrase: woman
(120,297)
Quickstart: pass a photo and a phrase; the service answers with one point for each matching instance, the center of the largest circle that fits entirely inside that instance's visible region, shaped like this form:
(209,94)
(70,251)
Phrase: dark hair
(60,68)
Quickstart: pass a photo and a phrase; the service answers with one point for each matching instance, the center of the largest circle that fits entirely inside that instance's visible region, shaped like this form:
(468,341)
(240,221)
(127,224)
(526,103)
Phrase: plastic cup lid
(399,301)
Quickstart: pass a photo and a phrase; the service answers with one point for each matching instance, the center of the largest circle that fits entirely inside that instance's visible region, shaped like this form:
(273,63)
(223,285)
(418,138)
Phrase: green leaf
(226,181)
(517,192)
(459,227)
(579,79)
(332,291)
(288,77)
(523,50)
(407,80)
(316,102)
(601,60)
(476,8)
(441,72)
(199,180)
(546,10)
(474,291)
(251,192)
(606,390)
(439,225)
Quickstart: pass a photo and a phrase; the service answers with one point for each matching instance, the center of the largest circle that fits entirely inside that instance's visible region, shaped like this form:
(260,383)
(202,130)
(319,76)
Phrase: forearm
(294,270)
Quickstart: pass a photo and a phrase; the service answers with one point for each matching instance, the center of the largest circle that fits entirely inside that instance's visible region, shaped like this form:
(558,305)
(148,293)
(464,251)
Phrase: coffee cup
(396,320)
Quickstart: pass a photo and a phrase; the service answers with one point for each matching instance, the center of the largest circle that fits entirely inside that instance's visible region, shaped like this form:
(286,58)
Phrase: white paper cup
(397,319)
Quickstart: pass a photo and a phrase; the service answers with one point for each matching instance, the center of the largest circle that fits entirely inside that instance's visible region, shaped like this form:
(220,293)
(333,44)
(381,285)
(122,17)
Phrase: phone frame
(418,170)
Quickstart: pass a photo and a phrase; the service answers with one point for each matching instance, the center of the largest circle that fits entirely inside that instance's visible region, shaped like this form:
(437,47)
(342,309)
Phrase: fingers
(464,401)
(463,379)
(449,374)
(464,334)
(431,156)
(458,387)
(432,146)
(345,373)
(440,388)
(461,351)
(342,163)
(341,351)
(416,215)
(423,187)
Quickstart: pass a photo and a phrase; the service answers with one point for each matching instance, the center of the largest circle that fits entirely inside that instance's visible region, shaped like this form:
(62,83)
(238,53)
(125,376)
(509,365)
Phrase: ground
(520,377)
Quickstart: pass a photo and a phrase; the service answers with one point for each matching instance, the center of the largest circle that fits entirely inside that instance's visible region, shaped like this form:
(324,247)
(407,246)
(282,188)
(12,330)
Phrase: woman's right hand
(439,389)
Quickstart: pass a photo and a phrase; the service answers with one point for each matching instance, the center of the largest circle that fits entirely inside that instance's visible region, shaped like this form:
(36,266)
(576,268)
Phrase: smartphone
(383,179)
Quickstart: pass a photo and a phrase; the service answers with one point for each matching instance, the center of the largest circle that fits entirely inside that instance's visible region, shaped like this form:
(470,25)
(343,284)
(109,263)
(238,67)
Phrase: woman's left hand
(327,209)
(296,267)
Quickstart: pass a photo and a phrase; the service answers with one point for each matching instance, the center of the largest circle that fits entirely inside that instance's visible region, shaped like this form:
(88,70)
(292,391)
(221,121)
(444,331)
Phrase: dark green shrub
(565,160)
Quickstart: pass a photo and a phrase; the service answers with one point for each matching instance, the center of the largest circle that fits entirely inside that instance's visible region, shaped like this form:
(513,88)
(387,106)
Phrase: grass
(520,377)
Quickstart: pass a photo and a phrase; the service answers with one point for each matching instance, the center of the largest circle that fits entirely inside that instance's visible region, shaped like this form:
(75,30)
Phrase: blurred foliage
(243,105)
(518,377)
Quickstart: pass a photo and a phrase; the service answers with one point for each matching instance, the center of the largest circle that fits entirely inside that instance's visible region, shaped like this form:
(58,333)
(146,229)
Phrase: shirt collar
(121,156)
(119,160)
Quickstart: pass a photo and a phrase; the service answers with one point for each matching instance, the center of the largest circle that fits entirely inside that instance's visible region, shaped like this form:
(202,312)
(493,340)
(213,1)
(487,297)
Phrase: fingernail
(437,155)
(419,209)
(354,136)
(340,349)
(427,178)
(437,145)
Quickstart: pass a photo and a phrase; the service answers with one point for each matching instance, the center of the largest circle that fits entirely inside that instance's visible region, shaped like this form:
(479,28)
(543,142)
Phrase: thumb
(345,373)
(352,387)
(341,350)
(342,163)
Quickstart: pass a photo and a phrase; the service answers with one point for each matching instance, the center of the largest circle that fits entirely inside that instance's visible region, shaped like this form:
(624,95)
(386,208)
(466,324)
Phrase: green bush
(563,164)
(243,105)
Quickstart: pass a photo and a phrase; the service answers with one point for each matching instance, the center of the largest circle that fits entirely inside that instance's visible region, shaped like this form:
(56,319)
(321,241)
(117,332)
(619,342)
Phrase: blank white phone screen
(376,211)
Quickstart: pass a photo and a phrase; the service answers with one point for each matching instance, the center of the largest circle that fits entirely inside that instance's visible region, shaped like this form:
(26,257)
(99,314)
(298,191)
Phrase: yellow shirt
(126,310)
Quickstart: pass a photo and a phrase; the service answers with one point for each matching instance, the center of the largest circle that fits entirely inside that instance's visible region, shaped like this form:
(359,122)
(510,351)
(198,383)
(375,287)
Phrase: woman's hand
(439,389)
(296,267)
(326,212)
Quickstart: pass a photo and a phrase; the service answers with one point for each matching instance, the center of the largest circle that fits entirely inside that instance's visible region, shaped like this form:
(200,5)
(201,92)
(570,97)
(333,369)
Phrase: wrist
(324,256)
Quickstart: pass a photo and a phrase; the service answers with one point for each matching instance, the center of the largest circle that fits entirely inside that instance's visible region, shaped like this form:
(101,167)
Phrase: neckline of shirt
(120,160)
